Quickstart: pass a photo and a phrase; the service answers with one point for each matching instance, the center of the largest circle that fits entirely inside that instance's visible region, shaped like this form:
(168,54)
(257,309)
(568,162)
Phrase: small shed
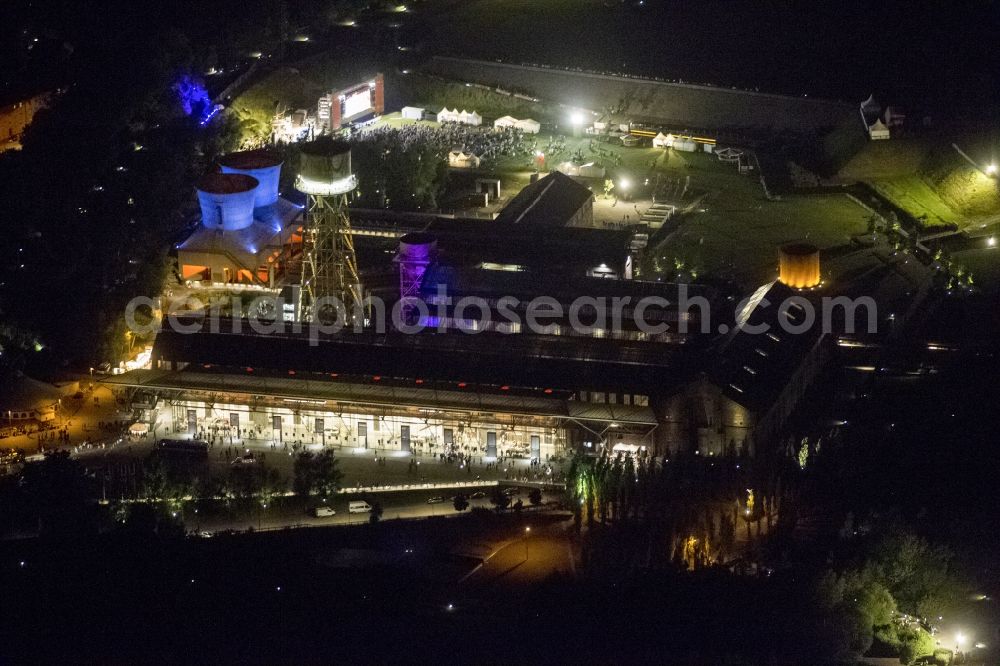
(413,113)
(591,170)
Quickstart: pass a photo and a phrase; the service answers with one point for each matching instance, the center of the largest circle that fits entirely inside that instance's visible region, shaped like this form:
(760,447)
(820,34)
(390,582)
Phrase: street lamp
(959,642)
(527,531)
(991,169)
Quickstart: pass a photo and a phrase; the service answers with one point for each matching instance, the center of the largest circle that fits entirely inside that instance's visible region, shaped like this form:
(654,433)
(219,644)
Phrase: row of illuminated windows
(600,398)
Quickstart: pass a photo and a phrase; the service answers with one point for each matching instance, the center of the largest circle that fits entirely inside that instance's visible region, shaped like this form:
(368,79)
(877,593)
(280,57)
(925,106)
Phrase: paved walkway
(537,554)
(81,416)
(363,468)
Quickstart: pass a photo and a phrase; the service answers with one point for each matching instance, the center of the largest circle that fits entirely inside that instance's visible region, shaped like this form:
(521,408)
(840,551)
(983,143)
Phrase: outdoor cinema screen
(357,102)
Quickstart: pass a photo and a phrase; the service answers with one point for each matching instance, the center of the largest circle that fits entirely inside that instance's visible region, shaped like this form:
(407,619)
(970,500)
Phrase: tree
(913,643)
(271,483)
(375,514)
(248,482)
(145,518)
(916,573)
(499,499)
(104,181)
(61,494)
(535,496)
(460,502)
(316,474)
(875,603)
(397,174)
(167,480)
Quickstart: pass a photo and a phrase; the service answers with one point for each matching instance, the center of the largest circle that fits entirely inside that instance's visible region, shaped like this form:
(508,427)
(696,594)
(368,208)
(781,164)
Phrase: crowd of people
(487,143)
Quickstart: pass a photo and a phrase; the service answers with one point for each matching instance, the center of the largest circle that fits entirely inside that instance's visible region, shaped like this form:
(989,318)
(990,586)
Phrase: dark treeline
(103,184)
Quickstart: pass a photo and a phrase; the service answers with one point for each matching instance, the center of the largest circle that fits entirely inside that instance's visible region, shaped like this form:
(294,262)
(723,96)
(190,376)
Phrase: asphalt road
(409,504)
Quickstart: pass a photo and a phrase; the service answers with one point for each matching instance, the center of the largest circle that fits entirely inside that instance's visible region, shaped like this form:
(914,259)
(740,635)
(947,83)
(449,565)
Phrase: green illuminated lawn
(915,196)
(928,179)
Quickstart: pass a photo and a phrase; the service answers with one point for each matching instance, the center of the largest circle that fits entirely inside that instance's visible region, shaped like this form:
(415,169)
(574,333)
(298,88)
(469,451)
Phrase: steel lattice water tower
(329,266)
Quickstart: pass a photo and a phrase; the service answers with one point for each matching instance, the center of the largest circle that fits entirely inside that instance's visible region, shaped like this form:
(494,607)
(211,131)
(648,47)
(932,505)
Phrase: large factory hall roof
(753,368)
(548,202)
(332,393)
(557,362)
(564,288)
(471,241)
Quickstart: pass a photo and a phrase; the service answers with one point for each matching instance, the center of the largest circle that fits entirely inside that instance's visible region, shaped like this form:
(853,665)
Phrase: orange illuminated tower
(799,266)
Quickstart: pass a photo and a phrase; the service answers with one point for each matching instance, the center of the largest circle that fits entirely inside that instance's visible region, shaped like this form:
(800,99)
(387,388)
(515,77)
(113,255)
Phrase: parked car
(358,507)
(479,494)
(246,459)
(511,491)
(323,511)
(435,500)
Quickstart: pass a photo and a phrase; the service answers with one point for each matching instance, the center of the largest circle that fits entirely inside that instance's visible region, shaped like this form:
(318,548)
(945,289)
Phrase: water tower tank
(325,168)
(799,266)
(417,251)
(260,164)
(227,200)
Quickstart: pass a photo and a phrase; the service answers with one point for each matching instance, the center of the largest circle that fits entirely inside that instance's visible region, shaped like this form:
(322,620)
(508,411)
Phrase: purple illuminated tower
(417,251)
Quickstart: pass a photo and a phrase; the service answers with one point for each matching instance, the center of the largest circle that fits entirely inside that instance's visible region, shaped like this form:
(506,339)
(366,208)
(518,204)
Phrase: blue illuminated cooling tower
(260,164)
(227,200)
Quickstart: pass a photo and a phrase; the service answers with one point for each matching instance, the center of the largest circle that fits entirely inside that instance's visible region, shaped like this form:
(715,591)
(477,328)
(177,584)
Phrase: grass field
(743,44)
(916,197)
(732,230)
(960,185)
(735,232)
(300,85)
(740,238)
(433,94)
(928,179)
(886,159)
